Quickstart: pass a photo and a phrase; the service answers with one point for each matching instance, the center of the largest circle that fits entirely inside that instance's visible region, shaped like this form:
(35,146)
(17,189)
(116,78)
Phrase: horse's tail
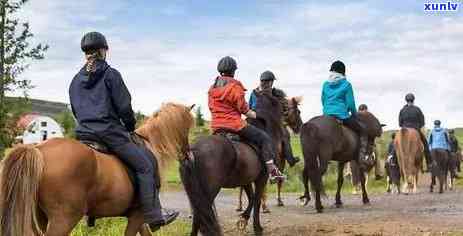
(20,174)
(310,149)
(201,201)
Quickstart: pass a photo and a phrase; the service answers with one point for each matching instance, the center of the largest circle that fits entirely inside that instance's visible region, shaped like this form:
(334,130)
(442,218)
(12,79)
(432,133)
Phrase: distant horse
(441,168)
(294,121)
(409,149)
(46,189)
(324,139)
(392,174)
(216,162)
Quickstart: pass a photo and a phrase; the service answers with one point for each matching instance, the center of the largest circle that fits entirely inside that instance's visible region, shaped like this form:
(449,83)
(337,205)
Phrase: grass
(116,227)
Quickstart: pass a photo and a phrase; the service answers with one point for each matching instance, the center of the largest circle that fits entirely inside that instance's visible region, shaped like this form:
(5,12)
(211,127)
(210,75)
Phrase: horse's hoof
(266,211)
(242,224)
(280,204)
(338,205)
(320,210)
(366,202)
(239,209)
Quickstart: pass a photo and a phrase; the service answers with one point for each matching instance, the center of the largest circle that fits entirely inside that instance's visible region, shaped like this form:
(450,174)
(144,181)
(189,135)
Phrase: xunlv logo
(449,6)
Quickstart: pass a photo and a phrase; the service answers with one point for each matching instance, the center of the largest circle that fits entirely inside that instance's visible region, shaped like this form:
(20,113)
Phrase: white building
(39,128)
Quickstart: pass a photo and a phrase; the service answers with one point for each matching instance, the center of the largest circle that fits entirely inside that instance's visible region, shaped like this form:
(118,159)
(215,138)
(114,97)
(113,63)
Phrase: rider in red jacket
(227,104)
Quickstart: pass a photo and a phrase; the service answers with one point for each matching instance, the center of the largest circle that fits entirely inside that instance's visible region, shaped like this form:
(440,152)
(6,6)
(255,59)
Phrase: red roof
(26,119)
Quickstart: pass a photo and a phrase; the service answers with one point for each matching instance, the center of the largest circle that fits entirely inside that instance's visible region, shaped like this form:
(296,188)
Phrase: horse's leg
(388,184)
(62,224)
(260,186)
(364,188)
(135,224)
(280,202)
(195,226)
(433,182)
(305,181)
(247,213)
(240,200)
(265,208)
(340,182)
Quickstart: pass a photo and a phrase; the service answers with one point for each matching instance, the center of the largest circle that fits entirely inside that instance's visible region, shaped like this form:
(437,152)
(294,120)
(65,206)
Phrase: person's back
(227,104)
(438,138)
(411,116)
(92,95)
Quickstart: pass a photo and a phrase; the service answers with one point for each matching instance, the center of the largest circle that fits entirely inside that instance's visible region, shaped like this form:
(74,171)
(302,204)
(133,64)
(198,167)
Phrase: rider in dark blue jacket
(101,104)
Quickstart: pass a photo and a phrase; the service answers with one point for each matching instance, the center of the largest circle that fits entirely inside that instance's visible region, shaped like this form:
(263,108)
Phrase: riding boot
(274,172)
(288,153)
(427,153)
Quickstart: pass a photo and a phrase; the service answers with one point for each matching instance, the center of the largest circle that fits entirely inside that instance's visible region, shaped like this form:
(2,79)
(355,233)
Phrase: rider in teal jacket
(338,97)
(338,101)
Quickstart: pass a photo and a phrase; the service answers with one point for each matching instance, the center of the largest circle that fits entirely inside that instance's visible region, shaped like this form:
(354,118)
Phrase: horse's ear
(382,125)
(192,106)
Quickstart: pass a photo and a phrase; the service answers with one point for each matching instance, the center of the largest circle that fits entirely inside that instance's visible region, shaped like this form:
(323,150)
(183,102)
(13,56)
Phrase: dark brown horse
(46,189)
(324,139)
(294,121)
(218,163)
(440,169)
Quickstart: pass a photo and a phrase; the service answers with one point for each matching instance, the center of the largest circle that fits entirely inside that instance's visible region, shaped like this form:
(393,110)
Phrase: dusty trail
(420,214)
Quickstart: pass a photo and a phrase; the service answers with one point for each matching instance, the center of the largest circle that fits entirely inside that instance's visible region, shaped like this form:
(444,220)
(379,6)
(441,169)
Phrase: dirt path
(420,214)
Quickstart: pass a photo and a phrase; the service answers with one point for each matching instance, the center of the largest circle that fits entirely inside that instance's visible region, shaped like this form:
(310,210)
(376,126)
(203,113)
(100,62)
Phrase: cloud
(388,52)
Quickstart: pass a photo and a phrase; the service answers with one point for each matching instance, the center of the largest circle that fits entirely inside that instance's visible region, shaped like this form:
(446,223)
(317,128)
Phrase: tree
(15,53)
(199,117)
(67,122)
(139,117)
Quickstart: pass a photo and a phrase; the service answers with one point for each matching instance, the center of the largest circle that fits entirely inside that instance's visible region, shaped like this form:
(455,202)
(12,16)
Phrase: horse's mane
(167,132)
(269,109)
(372,123)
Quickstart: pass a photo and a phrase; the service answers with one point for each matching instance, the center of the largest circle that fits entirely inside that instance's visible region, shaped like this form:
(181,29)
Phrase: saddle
(235,139)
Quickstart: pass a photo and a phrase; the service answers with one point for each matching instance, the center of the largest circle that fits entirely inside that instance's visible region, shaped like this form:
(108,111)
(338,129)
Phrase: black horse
(218,163)
(324,139)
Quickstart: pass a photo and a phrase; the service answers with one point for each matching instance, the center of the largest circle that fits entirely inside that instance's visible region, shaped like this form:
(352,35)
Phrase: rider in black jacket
(101,103)
(411,117)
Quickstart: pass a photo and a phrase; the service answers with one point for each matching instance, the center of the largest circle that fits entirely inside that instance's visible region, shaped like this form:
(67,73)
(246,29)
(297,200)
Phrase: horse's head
(294,114)
(374,130)
(268,105)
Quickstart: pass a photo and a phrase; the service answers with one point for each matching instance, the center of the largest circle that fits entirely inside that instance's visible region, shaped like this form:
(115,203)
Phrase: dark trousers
(261,139)
(140,160)
(360,129)
(286,145)
(427,153)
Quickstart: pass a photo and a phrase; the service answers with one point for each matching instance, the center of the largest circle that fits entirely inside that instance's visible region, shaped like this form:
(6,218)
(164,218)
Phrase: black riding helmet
(452,131)
(363,107)
(338,66)
(227,65)
(267,76)
(410,97)
(93,41)
(437,122)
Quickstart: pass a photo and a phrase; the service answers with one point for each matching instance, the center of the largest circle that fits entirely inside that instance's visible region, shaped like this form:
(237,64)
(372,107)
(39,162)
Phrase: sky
(168,50)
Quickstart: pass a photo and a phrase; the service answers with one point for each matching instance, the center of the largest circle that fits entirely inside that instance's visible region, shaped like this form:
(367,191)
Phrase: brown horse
(409,149)
(218,163)
(324,139)
(46,189)
(294,121)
